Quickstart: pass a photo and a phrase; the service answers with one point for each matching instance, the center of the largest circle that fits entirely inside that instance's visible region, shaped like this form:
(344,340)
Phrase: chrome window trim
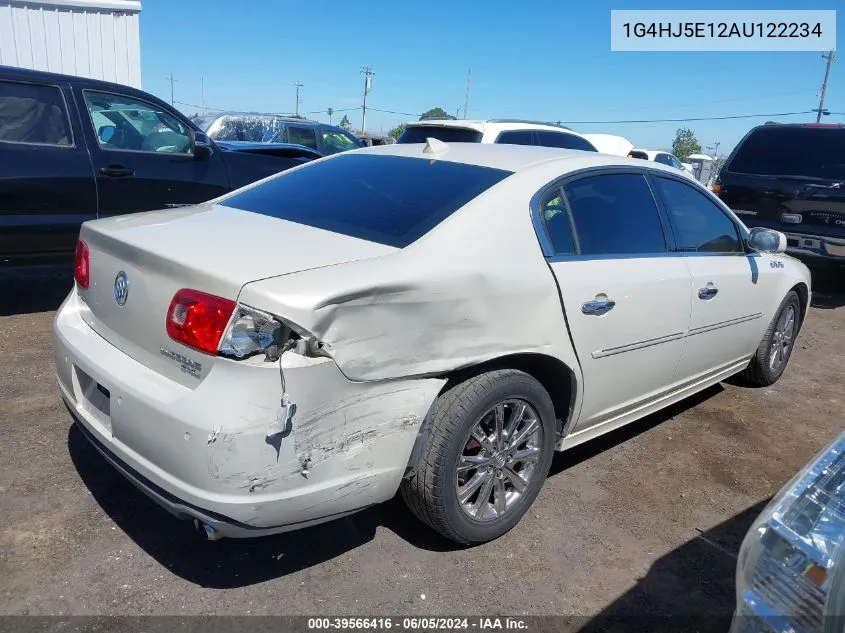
(668,229)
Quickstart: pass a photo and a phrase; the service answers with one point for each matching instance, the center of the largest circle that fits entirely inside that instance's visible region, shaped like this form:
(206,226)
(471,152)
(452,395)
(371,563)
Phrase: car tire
(768,363)
(458,453)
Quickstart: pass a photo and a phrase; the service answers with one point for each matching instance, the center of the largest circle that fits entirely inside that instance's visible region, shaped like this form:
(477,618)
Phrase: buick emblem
(121,288)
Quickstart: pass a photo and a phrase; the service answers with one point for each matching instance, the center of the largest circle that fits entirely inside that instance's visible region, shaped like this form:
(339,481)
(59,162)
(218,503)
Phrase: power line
(704,118)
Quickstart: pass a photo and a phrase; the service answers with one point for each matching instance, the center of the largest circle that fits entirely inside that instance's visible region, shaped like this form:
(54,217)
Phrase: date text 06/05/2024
(418,623)
(722,29)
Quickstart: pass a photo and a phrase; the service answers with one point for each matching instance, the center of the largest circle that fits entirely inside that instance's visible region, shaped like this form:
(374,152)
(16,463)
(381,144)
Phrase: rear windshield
(391,200)
(792,151)
(446,133)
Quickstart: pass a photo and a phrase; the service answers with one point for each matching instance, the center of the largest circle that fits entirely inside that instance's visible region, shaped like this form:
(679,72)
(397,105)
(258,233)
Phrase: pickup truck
(75,149)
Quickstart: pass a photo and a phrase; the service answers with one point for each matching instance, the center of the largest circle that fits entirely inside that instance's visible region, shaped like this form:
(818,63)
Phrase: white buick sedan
(435,319)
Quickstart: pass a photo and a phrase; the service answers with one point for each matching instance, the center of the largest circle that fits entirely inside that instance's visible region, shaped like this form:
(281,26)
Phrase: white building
(91,38)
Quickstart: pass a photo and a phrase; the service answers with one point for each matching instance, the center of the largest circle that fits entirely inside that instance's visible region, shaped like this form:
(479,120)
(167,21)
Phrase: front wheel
(776,347)
(488,450)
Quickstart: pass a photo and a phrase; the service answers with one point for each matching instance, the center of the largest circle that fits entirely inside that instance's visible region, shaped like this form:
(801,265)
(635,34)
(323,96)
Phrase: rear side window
(700,225)
(447,134)
(32,113)
(792,151)
(548,138)
(615,214)
(664,159)
(391,200)
(516,137)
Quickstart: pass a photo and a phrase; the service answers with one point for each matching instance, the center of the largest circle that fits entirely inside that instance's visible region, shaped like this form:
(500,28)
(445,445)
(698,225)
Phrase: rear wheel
(488,450)
(776,347)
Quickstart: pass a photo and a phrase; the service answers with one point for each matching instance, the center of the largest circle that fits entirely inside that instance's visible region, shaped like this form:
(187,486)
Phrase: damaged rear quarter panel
(475,288)
(347,448)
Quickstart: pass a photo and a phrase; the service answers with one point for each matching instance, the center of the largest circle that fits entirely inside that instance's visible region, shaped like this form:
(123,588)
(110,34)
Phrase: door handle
(708,292)
(116,171)
(600,305)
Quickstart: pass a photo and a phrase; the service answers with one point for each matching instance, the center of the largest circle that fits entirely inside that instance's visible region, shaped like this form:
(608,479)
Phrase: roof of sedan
(509,157)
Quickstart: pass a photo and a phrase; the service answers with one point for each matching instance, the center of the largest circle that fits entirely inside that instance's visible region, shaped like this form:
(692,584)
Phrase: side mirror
(766,240)
(202,145)
(105,133)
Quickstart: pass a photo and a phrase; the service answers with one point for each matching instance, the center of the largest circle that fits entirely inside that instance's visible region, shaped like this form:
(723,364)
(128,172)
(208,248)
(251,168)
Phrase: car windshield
(445,133)
(811,152)
(391,200)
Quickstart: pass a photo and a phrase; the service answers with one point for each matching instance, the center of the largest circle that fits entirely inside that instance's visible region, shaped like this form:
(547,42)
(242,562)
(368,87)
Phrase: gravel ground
(647,520)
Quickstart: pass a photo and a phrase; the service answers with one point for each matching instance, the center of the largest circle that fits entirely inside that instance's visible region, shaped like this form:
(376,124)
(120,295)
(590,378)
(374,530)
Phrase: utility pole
(466,99)
(368,84)
(172,81)
(829,56)
(202,79)
(298,86)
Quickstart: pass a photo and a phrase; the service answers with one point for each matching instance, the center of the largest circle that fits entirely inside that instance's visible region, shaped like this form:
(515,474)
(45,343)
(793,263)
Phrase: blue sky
(534,59)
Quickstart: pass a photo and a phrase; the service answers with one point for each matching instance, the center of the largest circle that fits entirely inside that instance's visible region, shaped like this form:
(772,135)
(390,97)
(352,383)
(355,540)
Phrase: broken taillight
(82,264)
(198,319)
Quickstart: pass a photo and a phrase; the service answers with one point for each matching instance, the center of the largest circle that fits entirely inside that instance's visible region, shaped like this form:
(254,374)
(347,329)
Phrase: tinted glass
(792,151)
(548,138)
(30,113)
(615,214)
(447,134)
(664,159)
(392,200)
(637,154)
(558,228)
(126,123)
(302,136)
(700,225)
(516,137)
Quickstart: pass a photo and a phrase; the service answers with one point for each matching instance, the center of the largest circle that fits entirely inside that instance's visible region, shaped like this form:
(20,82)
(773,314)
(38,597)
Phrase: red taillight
(82,264)
(198,320)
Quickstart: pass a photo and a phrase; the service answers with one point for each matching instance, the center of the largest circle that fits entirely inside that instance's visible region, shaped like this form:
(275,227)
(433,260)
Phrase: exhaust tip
(207,532)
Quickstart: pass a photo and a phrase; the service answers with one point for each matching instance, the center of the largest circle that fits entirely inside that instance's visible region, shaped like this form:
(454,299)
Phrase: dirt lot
(646,521)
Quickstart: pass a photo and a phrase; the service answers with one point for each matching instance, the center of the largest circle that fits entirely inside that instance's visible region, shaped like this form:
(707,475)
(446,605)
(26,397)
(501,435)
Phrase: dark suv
(791,177)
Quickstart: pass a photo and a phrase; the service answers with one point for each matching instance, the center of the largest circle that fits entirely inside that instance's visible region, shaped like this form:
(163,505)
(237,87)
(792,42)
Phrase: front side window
(129,124)
(700,225)
(664,159)
(516,137)
(391,200)
(32,113)
(615,214)
(299,135)
(335,141)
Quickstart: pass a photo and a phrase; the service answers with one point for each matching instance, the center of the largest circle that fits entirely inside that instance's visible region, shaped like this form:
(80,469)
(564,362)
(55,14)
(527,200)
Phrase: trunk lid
(210,248)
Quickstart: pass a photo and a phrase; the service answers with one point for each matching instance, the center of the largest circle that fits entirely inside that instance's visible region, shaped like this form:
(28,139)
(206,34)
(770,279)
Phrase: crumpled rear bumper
(204,452)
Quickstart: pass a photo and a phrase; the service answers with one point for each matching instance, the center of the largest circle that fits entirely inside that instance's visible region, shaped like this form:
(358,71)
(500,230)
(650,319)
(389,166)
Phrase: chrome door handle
(600,305)
(708,292)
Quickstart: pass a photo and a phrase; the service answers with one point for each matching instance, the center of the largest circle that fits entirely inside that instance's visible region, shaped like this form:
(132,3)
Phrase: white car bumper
(204,452)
